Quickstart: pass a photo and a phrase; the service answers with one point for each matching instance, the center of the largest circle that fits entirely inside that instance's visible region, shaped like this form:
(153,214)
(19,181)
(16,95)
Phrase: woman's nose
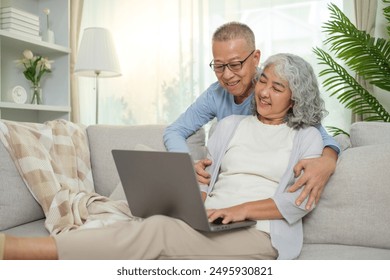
(264,92)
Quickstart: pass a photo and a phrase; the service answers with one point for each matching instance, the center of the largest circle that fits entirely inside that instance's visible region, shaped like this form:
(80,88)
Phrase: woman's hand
(228,215)
(264,209)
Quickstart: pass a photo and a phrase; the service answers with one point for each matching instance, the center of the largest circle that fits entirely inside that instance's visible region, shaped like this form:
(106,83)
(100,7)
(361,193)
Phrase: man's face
(237,82)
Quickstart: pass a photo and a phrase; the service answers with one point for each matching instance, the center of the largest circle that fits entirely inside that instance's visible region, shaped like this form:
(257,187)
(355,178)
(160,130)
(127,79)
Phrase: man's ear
(257,56)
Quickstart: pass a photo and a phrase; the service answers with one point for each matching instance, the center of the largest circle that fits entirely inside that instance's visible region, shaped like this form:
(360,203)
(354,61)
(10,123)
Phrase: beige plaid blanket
(54,160)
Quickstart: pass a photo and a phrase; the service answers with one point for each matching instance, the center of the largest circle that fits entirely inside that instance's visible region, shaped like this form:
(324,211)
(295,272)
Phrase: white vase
(48,36)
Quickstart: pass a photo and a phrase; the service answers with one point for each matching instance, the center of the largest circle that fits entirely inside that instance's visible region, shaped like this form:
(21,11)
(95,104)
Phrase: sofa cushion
(17,205)
(344,141)
(342,252)
(35,228)
(353,209)
(103,138)
(369,133)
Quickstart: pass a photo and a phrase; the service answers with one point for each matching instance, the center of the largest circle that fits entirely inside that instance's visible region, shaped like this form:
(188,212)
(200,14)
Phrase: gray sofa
(351,221)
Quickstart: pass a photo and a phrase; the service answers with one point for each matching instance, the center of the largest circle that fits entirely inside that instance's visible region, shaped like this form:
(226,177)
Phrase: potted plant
(365,56)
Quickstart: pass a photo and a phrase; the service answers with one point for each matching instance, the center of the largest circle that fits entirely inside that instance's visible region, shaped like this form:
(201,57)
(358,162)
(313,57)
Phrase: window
(164,49)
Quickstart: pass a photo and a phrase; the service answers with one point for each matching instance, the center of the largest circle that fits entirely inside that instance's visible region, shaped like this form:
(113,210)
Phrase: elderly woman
(253,159)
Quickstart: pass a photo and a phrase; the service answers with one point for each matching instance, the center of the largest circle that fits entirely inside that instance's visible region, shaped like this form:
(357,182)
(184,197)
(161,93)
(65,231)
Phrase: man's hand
(316,173)
(202,175)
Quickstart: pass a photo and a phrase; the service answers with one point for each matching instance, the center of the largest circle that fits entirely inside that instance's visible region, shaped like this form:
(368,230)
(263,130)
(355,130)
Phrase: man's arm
(197,115)
(329,140)
(316,173)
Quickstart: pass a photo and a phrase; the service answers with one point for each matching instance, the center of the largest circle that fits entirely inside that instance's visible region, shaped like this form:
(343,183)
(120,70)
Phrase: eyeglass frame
(224,65)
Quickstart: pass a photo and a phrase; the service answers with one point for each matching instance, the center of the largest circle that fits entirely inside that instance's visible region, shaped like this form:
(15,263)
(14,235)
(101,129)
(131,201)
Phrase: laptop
(164,183)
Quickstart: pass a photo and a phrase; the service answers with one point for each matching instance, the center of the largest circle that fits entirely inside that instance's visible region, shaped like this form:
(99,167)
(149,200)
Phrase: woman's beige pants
(161,237)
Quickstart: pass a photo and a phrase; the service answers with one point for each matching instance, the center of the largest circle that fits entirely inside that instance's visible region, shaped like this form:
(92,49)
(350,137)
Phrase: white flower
(45,63)
(28,54)
(46,11)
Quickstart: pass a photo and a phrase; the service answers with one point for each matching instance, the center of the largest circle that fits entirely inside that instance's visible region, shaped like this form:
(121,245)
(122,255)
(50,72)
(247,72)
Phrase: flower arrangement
(35,68)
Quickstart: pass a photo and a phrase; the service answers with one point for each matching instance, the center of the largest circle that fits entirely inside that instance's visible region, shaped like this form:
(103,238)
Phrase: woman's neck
(276,121)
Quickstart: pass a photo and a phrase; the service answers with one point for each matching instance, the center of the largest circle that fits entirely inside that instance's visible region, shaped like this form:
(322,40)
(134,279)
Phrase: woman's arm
(255,210)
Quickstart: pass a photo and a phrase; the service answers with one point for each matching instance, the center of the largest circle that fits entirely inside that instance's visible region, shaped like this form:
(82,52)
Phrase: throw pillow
(354,207)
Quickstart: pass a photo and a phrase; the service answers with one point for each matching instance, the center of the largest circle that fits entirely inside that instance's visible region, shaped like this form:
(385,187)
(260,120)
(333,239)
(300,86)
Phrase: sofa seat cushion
(342,252)
(36,228)
(354,207)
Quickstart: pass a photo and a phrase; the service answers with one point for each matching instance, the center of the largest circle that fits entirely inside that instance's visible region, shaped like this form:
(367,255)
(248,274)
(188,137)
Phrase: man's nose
(227,73)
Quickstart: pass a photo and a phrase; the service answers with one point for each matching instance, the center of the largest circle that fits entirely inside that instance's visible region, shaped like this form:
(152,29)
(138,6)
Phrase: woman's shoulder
(309,134)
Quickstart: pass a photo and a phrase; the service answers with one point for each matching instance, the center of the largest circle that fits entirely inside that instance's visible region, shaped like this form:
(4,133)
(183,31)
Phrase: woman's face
(273,97)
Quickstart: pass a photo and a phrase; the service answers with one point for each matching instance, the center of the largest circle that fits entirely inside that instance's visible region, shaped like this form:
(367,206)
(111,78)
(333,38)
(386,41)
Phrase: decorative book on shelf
(19,22)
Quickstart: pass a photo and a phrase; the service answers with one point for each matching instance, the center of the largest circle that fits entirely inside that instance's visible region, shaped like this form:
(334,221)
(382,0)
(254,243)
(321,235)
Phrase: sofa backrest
(17,205)
(353,209)
(369,133)
(103,138)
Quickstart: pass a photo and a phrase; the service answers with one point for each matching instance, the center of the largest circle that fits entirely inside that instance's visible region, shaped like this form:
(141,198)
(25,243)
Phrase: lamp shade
(97,54)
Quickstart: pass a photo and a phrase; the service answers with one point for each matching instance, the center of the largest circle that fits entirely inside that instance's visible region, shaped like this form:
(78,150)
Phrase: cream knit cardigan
(287,233)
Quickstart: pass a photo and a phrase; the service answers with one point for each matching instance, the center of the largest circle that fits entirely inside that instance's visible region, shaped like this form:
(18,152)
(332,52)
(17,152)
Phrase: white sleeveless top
(256,158)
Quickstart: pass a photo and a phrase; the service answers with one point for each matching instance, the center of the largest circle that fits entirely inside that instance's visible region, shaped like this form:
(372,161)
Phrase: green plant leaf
(369,57)
(348,91)
(386,13)
(336,131)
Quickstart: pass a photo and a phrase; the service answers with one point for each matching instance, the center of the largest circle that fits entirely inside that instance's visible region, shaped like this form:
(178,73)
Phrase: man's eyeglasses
(233,66)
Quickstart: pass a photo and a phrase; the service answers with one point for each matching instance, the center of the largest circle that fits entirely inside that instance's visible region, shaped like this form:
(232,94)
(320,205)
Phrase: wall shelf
(10,105)
(55,85)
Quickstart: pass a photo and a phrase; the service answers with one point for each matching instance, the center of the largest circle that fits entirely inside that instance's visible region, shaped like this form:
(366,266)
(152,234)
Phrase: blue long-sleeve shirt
(215,102)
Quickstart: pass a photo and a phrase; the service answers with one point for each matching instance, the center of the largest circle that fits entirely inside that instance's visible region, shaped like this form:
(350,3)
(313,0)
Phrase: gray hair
(309,107)
(235,30)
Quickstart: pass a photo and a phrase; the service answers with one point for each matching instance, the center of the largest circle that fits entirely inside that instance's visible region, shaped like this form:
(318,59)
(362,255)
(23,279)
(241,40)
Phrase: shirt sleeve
(198,114)
(328,140)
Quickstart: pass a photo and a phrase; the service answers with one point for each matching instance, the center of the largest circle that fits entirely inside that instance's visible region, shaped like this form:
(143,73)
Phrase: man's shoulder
(216,89)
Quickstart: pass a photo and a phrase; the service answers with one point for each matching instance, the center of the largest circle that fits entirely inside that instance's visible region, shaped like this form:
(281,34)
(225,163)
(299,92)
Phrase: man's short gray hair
(235,30)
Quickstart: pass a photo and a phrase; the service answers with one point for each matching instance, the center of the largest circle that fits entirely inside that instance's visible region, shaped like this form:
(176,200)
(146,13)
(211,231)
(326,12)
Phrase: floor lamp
(97,58)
